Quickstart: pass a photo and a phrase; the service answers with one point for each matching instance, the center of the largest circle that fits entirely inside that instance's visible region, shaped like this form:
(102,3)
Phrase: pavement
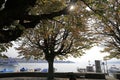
(110,78)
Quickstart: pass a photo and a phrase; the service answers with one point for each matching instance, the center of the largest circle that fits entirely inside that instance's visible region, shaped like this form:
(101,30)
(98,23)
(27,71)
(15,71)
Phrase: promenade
(37,78)
(58,76)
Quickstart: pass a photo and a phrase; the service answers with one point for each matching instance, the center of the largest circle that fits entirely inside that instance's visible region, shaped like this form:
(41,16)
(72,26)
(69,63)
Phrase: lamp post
(106,65)
(103,66)
(103,63)
(89,63)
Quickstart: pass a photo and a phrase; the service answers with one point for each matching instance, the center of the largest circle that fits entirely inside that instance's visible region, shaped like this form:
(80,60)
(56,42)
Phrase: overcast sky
(92,54)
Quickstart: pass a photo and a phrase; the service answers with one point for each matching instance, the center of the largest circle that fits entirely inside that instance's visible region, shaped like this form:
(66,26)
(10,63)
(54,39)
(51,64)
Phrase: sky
(83,61)
(91,55)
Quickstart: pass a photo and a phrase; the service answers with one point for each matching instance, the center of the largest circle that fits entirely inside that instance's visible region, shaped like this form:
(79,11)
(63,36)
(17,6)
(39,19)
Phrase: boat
(44,70)
(81,70)
(37,69)
(5,70)
(114,69)
(8,62)
(23,69)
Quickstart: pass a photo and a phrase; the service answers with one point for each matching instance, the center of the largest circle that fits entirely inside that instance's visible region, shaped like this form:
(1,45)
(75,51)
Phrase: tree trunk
(50,70)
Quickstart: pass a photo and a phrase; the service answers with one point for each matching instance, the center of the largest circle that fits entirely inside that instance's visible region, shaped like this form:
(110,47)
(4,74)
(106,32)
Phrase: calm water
(61,67)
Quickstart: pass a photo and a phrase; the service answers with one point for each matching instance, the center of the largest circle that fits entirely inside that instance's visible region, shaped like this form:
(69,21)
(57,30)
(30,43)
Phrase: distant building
(98,66)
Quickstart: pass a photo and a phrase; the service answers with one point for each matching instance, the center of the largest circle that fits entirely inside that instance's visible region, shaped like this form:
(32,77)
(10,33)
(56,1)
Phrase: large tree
(17,15)
(112,29)
(107,24)
(61,37)
(3,48)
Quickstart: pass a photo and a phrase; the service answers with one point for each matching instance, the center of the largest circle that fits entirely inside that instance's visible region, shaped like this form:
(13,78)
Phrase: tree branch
(33,21)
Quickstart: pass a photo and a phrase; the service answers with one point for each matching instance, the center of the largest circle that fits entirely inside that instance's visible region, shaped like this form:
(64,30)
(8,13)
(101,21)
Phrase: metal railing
(71,76)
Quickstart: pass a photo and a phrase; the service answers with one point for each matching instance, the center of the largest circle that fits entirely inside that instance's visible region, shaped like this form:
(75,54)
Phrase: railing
(117,76)
(71,76)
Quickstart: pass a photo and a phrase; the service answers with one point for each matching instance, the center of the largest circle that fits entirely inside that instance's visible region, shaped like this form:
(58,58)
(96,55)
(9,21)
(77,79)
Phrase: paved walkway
(35,78)
(110,78)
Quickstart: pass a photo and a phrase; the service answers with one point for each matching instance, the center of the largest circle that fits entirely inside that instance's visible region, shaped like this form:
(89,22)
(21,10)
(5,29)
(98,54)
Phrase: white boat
(44,70)
(114,69)
(5,70)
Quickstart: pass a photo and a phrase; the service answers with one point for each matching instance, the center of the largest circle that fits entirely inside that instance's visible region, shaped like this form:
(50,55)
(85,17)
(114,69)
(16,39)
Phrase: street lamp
(103,66)
(106,64)
(107,67)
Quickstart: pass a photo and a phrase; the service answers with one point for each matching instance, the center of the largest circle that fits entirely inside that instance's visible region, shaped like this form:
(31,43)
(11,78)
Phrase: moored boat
(37,69)
(5,70)
(23,69)
(114,69)
(44,70)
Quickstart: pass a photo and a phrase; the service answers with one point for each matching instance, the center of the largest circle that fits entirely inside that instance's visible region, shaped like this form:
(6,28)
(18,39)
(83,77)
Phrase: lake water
(60,67)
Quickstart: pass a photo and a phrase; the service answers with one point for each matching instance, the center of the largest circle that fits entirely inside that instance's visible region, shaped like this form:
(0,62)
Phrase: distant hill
(115,61)
(19,60)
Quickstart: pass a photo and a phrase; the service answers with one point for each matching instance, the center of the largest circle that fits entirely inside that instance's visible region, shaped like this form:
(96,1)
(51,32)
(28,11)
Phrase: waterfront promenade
(58,76)
(37,78)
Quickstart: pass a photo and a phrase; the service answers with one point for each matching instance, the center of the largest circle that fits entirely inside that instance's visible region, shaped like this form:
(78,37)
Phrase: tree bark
(50,69)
